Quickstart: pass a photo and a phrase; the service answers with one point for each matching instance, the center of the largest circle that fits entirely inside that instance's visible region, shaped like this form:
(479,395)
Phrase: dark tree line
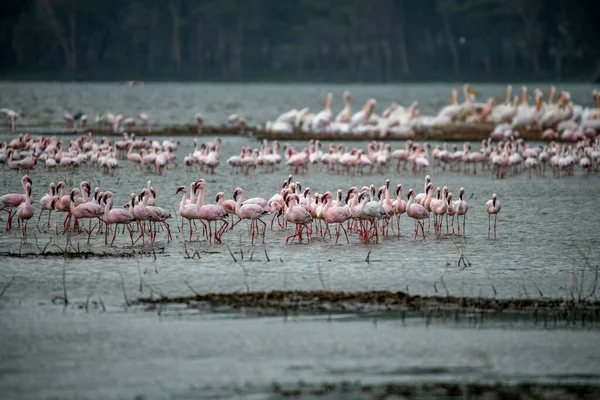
(301,40)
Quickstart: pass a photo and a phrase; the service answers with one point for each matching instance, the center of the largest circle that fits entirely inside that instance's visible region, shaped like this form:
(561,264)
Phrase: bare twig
(368,259)
(241,250)
(267,255)
(140,276)
(191,288)
(185,249)
(7,285)
(525,291)
(445,287)
(232,256)
(64,281)
(87,302)
(246,284)
(594,285)
(320,275)
(123,288)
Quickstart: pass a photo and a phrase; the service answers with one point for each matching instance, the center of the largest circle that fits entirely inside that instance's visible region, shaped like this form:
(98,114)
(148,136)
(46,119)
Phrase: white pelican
(323,117)
(466,107)
(363,115)
(346,113)
(453,109)
(288,116)
(505,112)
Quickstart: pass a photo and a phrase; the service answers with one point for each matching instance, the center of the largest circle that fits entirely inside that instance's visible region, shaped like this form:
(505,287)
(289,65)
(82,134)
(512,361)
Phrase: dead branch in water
(123,288)
(5,288)
(232,256)
(64,298)
(191,288)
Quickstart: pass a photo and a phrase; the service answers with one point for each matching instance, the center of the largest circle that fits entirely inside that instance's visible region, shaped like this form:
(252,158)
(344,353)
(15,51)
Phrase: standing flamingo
(416,212)
(492,206)
(335,215)
(250,211)
(461,207)
(210,213)
(186,210)
(145,122)
(439,207)
(47,203)
(115,216)
(12,200)
(299,215)
(399,205)
(25,210)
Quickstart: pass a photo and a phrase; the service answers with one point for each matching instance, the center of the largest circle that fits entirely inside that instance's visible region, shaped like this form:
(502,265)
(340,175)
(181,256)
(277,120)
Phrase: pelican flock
(554,114)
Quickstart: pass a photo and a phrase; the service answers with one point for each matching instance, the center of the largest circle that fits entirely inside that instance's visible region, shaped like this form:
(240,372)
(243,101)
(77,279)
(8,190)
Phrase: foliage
(301,40)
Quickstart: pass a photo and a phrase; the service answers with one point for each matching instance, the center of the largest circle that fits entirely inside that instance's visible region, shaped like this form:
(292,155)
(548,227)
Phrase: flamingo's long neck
(181,205)
(200,202)
(327,205)
(84,194)
(108,206)
(238,201)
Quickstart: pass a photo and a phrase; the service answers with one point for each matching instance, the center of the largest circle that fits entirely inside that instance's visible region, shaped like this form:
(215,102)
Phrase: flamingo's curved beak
(28,179)
(179,189)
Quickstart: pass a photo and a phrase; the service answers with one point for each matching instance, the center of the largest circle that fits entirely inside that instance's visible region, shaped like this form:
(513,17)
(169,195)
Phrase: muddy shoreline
(356,390)
(444,133)
(584,310)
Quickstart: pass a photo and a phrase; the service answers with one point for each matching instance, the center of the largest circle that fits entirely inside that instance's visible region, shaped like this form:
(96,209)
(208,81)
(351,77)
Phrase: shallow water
(545,231)
(45,103)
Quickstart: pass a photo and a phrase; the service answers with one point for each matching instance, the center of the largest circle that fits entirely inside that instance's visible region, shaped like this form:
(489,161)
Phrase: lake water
(545,231)
(177,103)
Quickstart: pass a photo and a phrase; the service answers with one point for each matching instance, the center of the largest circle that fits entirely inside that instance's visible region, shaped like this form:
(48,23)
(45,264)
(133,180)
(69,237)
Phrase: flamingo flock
(502,159)
(369,212)
(78,204)
(24,153)
(552,113)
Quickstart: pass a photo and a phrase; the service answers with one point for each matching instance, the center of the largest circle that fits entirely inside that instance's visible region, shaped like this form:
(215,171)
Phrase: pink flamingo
(402,155)
(416,212)
(335,215)
(250,211)
(492,207)
(299,215)
(25,210)
(157,214)
(199,121)
(135,158)
(450,212)
(439,207)
(47,203)
(145,122)
(210,213)
(12,200)
(115,216)
(228,205)
(461,208)
(187,211)
(420,198)
(84,210)
(399,205)
(141,213)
